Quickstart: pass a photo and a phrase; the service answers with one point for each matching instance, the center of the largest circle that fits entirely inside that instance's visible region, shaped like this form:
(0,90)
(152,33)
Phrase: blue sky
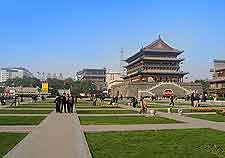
(67,35)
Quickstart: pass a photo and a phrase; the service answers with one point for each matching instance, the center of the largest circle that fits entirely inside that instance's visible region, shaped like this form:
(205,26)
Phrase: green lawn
(8,141)
(209,117)
(185,143)
(117,120)
(21,120)
(106,112)
(24,111)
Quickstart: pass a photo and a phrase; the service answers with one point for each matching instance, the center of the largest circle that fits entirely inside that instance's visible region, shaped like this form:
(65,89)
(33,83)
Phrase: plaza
(108,131)
(112,79)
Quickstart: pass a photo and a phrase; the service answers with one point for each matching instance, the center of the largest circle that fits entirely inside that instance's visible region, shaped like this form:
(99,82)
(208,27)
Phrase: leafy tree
(205,84)
(24,82)
(55,83)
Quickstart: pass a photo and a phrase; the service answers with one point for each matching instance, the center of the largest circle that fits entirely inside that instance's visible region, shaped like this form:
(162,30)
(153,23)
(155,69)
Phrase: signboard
(45,87)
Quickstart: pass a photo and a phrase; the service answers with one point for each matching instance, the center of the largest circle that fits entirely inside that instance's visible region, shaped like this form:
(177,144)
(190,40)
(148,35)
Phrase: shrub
(203,110)
(221,98)
(220,112)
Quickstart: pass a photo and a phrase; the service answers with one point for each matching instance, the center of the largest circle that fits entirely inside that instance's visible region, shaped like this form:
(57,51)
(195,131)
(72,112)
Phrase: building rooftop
(156,46)
(159,45)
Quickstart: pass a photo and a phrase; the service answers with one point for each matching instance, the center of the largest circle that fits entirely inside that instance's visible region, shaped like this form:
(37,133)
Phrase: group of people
(65,103)
(195,99)
(143,104)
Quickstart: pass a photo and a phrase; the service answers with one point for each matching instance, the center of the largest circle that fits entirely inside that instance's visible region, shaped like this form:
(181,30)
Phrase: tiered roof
(157,46)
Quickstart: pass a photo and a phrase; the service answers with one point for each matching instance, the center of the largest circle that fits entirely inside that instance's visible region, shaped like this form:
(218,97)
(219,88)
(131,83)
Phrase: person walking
(192,98)
(58,103)
(171,100)
(94,101)
(14,101)
(143,106)
(64,103)
(134,102)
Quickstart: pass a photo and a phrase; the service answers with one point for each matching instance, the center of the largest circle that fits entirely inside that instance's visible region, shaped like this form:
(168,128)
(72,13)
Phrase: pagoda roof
(160,45)
(156,46)
(154,59)
(155,73)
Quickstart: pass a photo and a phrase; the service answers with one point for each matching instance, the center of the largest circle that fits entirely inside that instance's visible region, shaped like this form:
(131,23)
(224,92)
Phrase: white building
(14,72)
(113,78)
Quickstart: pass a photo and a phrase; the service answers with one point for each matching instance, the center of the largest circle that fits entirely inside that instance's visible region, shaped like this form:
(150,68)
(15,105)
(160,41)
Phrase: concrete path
(193,121)
(16,129)
(111,114)
(100,109)
(58,136)
(24,114)
(201,113)
(141,127)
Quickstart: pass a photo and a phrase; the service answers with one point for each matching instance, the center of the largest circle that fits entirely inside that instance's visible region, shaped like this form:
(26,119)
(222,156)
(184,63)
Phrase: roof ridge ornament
(159,37)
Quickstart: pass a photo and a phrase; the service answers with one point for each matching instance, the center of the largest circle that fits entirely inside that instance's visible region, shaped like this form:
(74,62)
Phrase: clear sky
(67,35)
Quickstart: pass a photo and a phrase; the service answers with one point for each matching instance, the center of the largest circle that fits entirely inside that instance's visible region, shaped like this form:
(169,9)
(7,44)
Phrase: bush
(203,110)
(221,112)
(221,98)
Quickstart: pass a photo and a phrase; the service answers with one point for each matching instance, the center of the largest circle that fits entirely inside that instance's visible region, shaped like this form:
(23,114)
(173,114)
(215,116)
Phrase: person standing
(171,100)
(94,101)
(64,102)
(192,99)
(14,101)
(70,103)
(57,103)
(143,106)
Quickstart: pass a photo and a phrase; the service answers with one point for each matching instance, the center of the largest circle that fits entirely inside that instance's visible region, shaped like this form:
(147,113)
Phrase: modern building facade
(217,84)
(14,72)
(155,70)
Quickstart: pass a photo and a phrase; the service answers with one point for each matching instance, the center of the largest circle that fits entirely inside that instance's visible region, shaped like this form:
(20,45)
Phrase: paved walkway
(111,114)
(188,123)
(24,114)
(141,127)
(201,113)
(58,136)
(100,109)
(16,129)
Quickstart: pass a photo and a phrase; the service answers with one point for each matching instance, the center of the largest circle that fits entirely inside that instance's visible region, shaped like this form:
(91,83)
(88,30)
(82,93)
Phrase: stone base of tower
(137,89)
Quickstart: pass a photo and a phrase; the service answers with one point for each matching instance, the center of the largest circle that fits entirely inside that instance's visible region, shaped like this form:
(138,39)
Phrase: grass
(25,111)
(106,112)
(182,143)
(209,117)
(123,120)
(20,120)
(8,141)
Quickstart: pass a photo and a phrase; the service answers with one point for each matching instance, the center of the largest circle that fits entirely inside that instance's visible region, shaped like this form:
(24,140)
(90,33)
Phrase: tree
(55,83)
(24,82)
(205,85)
